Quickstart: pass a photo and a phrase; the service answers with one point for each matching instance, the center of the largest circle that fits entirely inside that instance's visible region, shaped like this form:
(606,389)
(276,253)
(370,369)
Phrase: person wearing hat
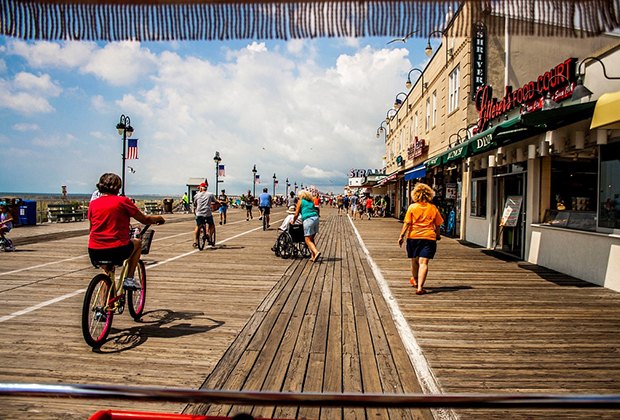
(288,219)
(284,226)
(204,215)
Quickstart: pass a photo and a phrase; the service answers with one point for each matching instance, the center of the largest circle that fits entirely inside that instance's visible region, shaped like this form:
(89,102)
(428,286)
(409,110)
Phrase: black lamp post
(287,186)
(217,159)
(124,129)
(254,181)
(274,185)
(295,187)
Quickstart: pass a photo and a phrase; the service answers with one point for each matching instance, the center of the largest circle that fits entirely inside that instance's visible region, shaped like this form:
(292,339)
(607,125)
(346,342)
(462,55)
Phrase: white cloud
(42,84)
(120,63)
(23,127)
(278,108)
(51,54)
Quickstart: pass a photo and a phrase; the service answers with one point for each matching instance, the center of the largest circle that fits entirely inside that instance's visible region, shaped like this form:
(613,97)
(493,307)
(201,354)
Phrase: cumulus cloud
(277,107)
(23,127)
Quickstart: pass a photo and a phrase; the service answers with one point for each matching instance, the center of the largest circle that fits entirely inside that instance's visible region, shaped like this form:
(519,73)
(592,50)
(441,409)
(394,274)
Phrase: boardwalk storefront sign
(558,82)
(483,143)
(456,153)
(416,149)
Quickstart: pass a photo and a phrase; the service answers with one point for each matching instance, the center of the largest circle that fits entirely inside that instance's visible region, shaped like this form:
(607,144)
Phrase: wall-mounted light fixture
(580,90)
(397,101)
(408,83)
(389,117)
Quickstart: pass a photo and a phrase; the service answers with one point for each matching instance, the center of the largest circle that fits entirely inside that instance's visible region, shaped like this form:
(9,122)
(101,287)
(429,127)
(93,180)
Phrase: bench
(152,207)
(64,213)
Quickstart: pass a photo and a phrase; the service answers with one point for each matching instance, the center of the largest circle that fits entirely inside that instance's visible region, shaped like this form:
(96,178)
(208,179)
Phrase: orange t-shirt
(422,219)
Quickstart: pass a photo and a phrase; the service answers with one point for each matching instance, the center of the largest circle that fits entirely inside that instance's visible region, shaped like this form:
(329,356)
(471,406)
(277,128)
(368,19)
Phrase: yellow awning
(607,112)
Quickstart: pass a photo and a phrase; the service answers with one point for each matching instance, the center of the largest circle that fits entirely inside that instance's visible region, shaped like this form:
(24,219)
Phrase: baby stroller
(291,243)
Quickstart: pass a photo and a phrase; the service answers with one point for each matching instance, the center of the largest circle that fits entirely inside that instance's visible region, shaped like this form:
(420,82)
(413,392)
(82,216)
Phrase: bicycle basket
(147,238)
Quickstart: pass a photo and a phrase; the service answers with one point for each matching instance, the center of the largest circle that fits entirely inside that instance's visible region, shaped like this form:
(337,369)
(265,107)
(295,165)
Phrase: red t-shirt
(109,217)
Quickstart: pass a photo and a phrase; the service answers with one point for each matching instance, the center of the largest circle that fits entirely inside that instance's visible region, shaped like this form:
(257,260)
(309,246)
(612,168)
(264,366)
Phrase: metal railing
(265,398)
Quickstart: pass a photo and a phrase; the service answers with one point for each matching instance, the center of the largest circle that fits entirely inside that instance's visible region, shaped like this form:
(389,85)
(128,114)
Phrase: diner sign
(483,143)
(416,149)
(558,82)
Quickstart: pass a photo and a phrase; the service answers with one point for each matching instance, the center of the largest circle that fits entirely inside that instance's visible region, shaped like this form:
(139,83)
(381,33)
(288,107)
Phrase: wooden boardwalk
(237,317)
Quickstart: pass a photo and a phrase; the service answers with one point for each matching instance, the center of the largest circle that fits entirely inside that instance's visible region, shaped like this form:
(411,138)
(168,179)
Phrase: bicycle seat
(106,263)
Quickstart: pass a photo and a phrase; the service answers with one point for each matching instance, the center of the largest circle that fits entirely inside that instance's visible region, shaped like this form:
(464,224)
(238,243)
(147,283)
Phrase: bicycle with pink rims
(106,297)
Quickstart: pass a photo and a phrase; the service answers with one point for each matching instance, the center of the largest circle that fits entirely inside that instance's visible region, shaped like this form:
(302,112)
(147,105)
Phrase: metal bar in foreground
(590,401)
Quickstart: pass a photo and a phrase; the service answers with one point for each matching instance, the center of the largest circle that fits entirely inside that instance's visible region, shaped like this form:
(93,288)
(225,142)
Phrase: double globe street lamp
(124,129)
(217,159)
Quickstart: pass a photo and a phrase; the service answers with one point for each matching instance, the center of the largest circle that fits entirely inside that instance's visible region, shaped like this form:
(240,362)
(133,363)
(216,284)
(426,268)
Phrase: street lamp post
(287,186)
(274,185)
(217,159)
(254,181)
(295,187)
(124,129)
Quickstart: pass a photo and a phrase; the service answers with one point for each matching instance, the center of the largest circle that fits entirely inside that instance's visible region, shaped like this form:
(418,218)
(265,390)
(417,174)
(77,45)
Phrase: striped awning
(166,20)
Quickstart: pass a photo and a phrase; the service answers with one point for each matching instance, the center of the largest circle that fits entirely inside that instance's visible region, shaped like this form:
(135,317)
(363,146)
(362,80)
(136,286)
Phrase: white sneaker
(131,284)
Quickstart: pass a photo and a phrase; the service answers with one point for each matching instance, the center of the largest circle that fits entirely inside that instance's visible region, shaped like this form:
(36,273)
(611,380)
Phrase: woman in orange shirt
(421,227)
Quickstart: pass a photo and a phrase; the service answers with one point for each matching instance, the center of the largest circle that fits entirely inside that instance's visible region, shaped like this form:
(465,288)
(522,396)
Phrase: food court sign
(558,82)
(416,149)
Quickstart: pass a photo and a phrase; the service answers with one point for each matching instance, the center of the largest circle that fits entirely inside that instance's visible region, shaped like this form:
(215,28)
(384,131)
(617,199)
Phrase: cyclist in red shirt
(109,217)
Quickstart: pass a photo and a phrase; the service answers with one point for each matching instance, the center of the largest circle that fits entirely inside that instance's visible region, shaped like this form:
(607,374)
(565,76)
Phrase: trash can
(28,212)
(168,205)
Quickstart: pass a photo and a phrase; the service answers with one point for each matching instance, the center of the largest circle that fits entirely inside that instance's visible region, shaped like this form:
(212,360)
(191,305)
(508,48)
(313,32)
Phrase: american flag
(132,148)
(257,179)
(220,170)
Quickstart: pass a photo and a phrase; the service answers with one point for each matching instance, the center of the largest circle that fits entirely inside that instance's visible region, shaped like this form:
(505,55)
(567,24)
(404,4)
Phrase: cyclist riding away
(264,202)
(109,217)
(203,200)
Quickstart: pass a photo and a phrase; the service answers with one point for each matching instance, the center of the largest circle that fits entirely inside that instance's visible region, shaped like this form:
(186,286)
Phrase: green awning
(456,153)
(434,161)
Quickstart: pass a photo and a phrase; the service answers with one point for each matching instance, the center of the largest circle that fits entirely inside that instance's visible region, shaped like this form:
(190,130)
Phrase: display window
(574,178)
(478,204)
(609,209)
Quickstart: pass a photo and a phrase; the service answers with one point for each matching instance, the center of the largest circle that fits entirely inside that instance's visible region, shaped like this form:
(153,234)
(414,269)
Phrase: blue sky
(303,109)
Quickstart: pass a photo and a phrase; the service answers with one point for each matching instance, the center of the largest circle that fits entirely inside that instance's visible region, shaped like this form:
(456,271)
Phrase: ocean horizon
(77,196)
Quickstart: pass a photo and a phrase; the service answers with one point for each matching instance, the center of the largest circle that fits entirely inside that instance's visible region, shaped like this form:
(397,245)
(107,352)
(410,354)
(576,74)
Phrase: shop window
(427,123)
(609,209)
(453,89)
(479,194)
(573,193)
(434,108)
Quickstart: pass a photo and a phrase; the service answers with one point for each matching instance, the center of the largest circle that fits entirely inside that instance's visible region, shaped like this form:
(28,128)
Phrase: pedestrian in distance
(249,201)
(223,200)
(185,202)
(310,216)
(421,229)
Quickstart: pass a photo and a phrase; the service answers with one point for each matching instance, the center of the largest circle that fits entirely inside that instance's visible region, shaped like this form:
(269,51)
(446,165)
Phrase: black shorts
(424,248)
(204,220)
(266,210)
(116,255)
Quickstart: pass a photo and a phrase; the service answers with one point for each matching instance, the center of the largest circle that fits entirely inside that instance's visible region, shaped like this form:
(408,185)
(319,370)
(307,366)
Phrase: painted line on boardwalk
(427,379)
(41,305)
(34,267)
(77,292)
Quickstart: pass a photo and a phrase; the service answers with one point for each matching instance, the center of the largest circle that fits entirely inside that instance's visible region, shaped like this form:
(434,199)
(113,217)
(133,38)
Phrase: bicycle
(6,245)
(105,297)
(204,237)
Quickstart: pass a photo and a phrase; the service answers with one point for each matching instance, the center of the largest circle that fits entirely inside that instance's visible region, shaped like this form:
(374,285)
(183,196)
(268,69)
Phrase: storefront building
(520,168)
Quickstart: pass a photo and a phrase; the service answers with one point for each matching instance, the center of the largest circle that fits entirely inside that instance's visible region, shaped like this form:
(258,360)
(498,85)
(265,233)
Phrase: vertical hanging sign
(478,58)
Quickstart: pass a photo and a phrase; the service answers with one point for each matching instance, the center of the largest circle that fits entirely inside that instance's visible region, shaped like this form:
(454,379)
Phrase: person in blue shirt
(264,204)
